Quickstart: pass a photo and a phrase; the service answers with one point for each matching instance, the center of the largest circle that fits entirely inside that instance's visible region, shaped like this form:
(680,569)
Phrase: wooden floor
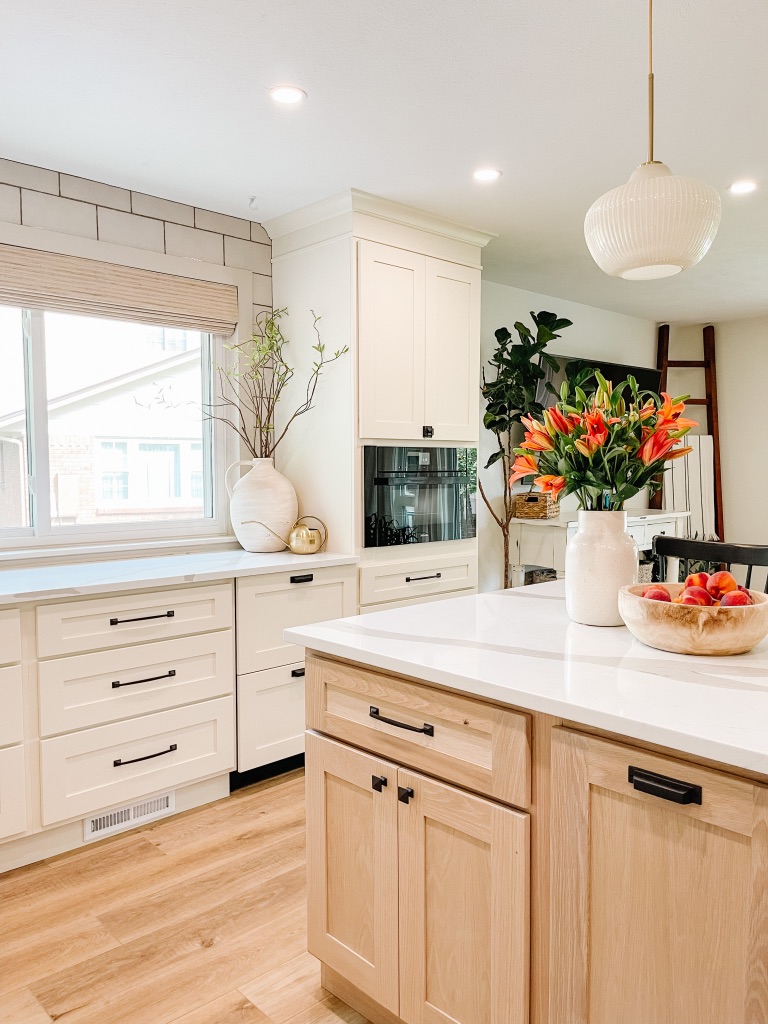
(197,919)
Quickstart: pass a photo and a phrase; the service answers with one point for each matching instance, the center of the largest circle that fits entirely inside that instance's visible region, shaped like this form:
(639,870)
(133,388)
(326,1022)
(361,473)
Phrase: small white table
(543,541)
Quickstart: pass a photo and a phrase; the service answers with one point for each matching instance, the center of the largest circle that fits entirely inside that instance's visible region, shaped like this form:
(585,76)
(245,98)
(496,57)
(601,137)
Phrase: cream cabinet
(658,882)
(419,345)
(418,892)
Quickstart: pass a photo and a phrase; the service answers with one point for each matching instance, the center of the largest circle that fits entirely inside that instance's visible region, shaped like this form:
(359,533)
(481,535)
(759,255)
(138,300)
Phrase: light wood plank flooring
(196,919)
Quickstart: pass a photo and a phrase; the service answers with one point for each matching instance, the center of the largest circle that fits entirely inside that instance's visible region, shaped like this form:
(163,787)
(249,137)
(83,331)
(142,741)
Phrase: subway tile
(27,176)
(194,244)
(259,234)
(10,204)
(262,290)
(95,192)
(210,221)
(248,255)
(40,210)
(128,229)
(163,209)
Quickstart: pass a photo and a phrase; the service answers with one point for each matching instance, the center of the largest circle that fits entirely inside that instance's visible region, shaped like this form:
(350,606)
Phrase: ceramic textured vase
(599,560)
(263,506)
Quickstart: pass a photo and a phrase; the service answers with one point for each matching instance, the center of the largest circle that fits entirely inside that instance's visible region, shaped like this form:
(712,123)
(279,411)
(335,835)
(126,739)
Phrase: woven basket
(536,506)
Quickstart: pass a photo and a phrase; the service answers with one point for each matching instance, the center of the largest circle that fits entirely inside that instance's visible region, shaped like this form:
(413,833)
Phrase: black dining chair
(709,552)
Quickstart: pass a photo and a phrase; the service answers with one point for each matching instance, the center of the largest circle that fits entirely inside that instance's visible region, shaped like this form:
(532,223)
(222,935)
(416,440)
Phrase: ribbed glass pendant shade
(656,225)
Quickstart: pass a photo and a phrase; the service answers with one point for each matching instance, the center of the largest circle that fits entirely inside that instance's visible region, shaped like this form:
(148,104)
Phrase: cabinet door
(391,332)
(270,715)
(659,909)
(464,902)
(352,866)
(452,365)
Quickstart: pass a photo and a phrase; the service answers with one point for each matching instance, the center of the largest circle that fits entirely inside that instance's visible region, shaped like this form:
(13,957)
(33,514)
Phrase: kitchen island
(513,817)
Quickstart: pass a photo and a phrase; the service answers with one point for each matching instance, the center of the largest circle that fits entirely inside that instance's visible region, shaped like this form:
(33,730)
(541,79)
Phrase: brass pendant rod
(650,81)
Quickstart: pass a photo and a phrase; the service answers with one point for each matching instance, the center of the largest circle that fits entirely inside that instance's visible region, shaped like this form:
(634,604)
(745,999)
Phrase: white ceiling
(406,97)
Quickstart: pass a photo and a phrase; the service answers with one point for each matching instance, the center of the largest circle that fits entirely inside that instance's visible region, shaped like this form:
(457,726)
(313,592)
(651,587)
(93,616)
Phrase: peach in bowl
(705,615)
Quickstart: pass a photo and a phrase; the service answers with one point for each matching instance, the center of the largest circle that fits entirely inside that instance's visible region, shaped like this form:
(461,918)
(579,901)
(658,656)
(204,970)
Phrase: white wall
(742,377)
(595,334)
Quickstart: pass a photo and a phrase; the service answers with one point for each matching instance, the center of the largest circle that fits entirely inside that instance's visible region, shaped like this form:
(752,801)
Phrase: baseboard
(237,780)
(352,996)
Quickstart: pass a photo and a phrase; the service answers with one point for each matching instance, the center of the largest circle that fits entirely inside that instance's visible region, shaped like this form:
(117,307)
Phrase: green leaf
(494,458)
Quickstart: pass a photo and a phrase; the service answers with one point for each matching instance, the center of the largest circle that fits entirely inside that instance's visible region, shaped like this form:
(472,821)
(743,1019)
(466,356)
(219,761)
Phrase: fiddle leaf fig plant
(510,389)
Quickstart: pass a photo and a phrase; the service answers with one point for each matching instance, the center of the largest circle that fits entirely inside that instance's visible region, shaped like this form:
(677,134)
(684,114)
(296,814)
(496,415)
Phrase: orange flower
(524,465)
(656,446)
(679,453)
(552,484)
(556,423)
(647,410)
(670,416)
(596,427)
(537,441)
(587,445)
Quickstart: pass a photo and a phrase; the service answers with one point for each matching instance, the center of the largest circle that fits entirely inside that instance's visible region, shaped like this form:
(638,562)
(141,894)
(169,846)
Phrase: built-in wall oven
(415,495)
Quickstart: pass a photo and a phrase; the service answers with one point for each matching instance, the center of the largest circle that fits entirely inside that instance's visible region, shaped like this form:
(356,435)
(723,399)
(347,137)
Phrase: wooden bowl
(694,629)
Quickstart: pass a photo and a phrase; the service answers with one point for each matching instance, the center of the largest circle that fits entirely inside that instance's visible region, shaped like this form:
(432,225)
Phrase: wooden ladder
(707,364)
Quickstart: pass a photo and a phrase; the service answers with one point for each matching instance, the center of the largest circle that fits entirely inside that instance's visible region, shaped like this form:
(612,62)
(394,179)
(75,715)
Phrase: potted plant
(510,394)
(603,446)
(263,503)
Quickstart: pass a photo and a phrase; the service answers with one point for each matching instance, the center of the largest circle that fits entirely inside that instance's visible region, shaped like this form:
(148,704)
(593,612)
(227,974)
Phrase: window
(105,418)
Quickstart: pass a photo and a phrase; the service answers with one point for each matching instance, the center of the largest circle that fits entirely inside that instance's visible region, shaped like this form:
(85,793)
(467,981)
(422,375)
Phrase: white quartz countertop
(77,579)
(520,648)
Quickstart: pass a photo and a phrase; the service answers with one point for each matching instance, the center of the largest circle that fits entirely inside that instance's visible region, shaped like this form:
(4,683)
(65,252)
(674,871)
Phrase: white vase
(599,560)
(263,506)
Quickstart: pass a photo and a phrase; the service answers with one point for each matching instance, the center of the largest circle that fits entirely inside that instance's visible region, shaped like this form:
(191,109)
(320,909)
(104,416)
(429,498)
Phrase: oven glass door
(415,495)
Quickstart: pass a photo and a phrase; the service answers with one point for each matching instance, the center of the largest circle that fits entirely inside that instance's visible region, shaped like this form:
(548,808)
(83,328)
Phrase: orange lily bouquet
(603,447)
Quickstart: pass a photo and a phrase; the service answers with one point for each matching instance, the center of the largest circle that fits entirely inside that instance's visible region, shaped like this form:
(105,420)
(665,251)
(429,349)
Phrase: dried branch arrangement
(251,386)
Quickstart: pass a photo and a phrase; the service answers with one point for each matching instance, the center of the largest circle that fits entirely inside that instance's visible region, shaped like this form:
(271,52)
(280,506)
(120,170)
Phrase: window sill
(31,557)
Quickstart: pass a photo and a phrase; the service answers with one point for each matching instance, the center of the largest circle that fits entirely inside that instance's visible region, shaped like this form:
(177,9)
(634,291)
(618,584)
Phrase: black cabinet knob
(427,431)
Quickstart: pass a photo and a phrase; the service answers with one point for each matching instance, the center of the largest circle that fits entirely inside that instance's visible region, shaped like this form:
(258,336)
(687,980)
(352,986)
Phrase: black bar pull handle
(428,730)
(297,673)
(116,684)
(414,579)
(306,577)
(404,794)
(661,785)
(142,618)
(147,757)
(378,782)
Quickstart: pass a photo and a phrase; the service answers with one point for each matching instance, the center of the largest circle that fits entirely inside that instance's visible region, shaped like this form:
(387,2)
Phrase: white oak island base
(473,863)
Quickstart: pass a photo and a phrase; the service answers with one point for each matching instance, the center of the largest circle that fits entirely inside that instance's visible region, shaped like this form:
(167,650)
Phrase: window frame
(219,448)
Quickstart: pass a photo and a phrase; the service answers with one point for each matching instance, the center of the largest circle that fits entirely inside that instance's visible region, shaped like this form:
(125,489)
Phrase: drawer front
(10,636)
(270,715)
(86,771)
(11,703)
(120,619)
(667,528)
(388,605)
(266,605)
(478,745)
(13,792)
(417,577)
(106,686)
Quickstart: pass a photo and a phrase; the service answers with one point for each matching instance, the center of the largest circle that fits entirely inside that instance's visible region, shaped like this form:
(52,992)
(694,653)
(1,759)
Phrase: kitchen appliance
(415,495)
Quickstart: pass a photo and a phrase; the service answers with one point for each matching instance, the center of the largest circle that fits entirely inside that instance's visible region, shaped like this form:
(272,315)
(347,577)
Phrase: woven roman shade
(31,277)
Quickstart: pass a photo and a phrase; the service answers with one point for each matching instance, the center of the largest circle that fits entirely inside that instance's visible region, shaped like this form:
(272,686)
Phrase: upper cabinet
(419,345)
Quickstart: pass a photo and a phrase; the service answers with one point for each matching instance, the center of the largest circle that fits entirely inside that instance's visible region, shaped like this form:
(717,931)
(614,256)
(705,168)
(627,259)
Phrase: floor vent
(120,819)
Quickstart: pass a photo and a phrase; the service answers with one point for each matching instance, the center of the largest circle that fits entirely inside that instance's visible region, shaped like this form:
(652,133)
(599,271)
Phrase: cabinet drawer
(13,792)
(10,636)
(266,605)
(11,715)
(85,771)
(539,546)
(131,618)
(270,715)
(478,745)
(417,577)
(91,689)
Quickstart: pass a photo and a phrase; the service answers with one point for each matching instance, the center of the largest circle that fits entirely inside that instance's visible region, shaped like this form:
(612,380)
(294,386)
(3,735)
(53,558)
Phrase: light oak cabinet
(419,345)
(658,889)
(418,892)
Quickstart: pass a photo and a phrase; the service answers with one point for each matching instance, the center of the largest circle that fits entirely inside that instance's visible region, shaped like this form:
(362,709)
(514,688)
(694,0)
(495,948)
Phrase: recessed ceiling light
(486,174)
(287,94)
(740,188)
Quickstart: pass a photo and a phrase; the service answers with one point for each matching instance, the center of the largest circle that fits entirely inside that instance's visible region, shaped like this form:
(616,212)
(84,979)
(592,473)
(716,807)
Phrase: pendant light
(659,223)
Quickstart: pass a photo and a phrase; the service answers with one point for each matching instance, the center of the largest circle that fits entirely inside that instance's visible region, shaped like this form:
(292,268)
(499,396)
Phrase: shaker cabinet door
(391,319)
(352,866)
(464,907)
(659,889)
